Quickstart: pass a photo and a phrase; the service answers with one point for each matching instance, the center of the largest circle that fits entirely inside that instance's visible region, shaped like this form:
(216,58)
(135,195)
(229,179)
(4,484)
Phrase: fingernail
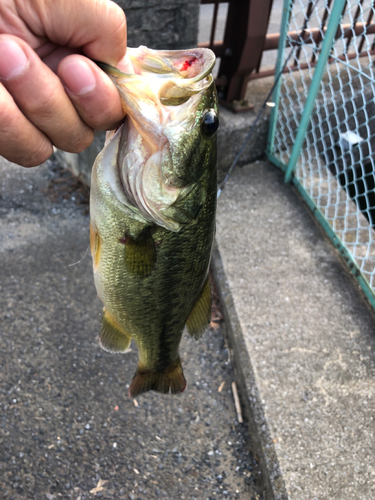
(78,77)
(13,60)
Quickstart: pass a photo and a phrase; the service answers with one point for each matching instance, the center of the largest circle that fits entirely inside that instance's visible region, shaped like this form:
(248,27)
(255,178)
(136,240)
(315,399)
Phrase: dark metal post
(244,38)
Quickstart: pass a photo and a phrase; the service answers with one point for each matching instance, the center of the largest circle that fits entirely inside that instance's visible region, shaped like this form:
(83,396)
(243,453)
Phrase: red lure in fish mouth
(187,64)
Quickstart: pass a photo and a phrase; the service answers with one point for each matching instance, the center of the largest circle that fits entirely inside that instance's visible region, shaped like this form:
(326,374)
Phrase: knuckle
(80,145)
(37,156)
(119,22)
(107,113)
(6,113)
(20,141)
(45,105)
(28,159)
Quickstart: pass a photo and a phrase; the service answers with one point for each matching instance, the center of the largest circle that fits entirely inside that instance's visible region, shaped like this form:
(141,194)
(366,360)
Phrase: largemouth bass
(152,209)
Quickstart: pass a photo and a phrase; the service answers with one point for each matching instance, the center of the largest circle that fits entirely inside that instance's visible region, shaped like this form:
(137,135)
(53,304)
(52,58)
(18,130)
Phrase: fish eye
(210,123)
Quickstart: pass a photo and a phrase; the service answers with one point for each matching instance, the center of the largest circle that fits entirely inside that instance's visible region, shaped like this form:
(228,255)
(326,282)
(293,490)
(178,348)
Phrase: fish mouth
(171,77)
(160,100)
(191,65)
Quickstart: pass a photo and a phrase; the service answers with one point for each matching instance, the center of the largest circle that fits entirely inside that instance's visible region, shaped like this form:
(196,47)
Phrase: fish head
(167,142)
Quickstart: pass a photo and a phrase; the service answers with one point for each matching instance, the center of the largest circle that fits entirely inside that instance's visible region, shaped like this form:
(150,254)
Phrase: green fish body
(152,212)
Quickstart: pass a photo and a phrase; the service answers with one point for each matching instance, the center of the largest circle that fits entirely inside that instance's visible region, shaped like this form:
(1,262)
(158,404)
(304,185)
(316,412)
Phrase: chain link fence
(322,131)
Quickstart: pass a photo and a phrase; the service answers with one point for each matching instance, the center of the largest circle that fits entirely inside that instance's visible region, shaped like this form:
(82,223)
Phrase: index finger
(98,27)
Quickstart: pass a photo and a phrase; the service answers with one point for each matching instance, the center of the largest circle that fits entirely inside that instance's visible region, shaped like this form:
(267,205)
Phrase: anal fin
(200,315)
(171,380)
(112,338)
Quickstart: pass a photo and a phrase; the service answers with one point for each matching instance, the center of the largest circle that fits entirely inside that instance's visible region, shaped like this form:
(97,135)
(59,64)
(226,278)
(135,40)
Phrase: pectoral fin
(200,315)
(112,338)
(140,254)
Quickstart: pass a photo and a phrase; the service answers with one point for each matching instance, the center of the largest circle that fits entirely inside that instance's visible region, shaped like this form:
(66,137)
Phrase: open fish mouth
(165,100)
(191,66)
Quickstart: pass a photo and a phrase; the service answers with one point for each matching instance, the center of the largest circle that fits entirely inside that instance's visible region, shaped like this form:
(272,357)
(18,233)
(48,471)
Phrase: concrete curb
(303,342)
(259,432)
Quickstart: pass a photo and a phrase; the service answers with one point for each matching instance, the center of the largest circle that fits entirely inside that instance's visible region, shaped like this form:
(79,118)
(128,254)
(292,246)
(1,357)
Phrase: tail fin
(170,380)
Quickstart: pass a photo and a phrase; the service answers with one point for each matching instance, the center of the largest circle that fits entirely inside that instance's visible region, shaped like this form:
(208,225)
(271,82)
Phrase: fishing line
(295,43)
(75,263)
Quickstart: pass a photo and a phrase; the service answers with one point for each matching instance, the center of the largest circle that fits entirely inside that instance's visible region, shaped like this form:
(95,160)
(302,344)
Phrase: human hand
(50,93)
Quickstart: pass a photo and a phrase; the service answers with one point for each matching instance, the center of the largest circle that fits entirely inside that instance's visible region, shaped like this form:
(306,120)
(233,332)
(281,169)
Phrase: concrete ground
(68,429)
(304,341)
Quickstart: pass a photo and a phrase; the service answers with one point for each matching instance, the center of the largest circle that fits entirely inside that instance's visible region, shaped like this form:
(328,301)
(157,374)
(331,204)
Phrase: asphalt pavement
(68,428)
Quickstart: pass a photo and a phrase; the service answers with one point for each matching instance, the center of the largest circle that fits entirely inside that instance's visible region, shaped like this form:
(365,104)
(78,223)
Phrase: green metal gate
(322,132)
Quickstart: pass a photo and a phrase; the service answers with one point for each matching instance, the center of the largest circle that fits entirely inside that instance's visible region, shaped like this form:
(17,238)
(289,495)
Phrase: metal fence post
(245,34)
(279,64)
(315,84)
